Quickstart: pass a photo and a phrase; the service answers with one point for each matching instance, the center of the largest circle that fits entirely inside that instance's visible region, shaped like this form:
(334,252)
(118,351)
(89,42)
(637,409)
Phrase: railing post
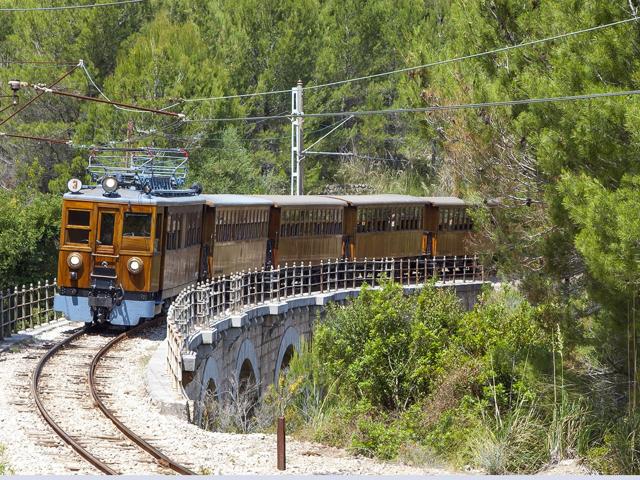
(2,322)
(30,305)
(23,312)
(49,313)
(455,261)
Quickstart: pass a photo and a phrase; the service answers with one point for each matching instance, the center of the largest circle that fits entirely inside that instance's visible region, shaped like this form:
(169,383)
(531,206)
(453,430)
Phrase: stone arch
(289,344)
(211,382)
(248,359)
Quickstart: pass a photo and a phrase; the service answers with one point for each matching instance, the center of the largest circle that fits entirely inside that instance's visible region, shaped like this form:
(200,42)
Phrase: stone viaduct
(216,348)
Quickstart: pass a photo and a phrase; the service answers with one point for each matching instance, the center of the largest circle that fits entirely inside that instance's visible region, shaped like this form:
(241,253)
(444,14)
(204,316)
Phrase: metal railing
(206,303)
(26,307)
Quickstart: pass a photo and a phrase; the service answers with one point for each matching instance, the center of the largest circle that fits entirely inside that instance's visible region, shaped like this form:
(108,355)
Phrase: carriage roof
(132,197)
(382,199)
(302,200)
(231,200)
(445,201)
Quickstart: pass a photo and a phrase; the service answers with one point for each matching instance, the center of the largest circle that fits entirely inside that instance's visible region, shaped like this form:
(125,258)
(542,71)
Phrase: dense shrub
(29,232)
(390,373)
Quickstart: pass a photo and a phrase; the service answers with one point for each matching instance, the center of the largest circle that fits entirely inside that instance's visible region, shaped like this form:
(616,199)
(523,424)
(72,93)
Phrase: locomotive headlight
(134,265)
(74,260)
(109,184)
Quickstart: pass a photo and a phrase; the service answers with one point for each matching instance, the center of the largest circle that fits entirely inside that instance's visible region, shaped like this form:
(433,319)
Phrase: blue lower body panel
(129,312)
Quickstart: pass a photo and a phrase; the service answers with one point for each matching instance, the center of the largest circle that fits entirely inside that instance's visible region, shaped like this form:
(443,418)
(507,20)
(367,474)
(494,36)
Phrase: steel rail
(84,453)
(146,446)
(163,460)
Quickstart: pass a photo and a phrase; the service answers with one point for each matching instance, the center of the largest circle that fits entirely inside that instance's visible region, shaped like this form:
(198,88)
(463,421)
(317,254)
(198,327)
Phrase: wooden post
(281,447)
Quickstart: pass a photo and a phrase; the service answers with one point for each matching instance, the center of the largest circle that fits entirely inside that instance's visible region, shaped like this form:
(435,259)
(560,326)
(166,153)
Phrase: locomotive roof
(445,201)
(134,197)
(358,200)
(231,200)
(302,200)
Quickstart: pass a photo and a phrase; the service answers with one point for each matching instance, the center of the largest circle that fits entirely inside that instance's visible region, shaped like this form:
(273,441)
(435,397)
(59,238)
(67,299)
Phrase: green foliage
(29,228)
(619,452)
(386,346)
(394,370)
(5,468)
(229,169)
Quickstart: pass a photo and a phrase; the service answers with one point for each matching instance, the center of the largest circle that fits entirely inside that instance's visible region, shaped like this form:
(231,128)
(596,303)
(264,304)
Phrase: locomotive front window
(75,235)
(136,225)
(78,227)
(79,217)
(107,224)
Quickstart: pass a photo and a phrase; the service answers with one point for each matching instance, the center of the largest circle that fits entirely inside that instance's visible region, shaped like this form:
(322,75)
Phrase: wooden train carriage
(448,226)
(121,255)
(236,233)
(383,226)
(306,228)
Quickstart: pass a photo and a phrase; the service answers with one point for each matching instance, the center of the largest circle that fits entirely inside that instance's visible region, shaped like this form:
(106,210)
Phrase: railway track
(66,389)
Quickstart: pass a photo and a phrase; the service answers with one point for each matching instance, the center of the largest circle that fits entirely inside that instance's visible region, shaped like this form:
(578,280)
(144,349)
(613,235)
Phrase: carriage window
(79,217)
(107,224)
(156,241)
(136,225)
(77,236)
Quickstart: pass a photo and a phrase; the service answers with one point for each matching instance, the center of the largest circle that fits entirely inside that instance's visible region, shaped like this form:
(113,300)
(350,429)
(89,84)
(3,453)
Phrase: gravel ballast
(33,448)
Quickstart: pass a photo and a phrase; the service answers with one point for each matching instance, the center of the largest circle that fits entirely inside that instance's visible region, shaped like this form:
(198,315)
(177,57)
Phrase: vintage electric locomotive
(131,243)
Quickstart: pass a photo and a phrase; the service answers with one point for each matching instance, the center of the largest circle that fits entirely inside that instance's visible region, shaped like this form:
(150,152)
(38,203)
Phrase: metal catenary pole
(296,140)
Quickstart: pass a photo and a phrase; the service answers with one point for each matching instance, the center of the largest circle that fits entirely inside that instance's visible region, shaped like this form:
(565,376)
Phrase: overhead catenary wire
(467,106)
(52,63)
(69,7)
(505,48)
(99,100)
(354,155)
(55,141)
(435,108)
(475,55)
(327,134)
(26,105)
(84,68)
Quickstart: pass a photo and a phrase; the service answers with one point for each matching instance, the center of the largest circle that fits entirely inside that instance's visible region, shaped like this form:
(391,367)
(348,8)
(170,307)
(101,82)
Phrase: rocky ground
(32,448)
(29,446)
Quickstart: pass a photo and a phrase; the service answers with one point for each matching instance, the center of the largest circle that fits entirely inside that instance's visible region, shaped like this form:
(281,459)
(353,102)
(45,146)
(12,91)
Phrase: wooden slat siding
(350,221)
(181,266)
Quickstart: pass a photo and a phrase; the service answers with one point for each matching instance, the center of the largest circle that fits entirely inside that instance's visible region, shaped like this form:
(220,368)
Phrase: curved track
(100,439)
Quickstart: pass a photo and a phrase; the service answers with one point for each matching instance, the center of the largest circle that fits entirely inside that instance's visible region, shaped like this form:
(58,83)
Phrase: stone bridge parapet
(248,325)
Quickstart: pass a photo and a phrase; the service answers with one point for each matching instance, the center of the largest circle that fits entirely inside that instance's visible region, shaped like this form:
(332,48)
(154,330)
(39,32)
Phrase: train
(128,248)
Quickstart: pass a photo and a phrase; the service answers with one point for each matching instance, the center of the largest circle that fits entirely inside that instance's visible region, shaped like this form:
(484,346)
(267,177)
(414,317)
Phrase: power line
(55,141)
(327,134)
(418,67)
(233,119)
(53,63)
(108,99)
(436,108)
(69,7)
(108,102)
(242,95)
(463,106)
(2,122)
(355,155)
(474,55)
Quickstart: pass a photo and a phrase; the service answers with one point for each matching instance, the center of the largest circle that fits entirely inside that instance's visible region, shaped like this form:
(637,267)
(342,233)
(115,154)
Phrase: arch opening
(247,396)
(210,408)
(286,360)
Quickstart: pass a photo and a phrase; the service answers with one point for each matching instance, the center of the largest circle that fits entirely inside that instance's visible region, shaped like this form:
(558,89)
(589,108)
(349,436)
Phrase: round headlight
(74,260)
(134,265)
(109,184)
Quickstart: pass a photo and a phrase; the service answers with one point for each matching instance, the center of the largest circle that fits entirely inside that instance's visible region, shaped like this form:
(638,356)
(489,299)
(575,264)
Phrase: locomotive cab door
(108,223)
